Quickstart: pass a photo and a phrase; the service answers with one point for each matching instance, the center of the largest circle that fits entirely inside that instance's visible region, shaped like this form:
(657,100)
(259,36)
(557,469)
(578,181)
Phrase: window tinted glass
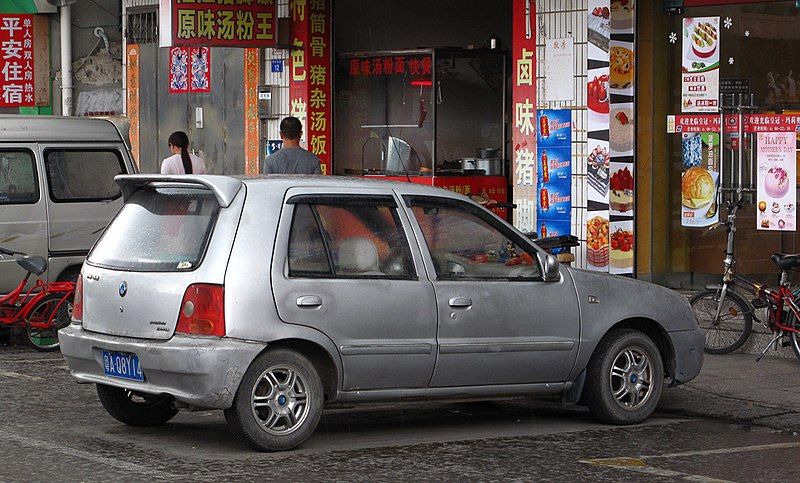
(361,239)
(465,246)
(159,230)
(83,175)
(18,178)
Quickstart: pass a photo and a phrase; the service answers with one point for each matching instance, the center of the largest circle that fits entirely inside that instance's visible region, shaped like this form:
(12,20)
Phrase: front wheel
(794,337)
(730,331)
(44,321)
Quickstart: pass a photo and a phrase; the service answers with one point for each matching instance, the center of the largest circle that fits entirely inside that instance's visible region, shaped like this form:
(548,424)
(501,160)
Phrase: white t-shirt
(174,165)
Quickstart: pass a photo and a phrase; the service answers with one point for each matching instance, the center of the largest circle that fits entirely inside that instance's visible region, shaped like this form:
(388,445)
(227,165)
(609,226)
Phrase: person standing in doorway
(291,158)
(181,162)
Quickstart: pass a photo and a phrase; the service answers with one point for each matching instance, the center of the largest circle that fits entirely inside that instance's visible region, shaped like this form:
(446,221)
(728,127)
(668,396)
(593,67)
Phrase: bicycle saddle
(786,261)
(35,264)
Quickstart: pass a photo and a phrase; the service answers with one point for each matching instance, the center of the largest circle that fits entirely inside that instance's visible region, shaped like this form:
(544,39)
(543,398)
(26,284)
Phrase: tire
(134,408)
(46,340)
(794,337)
(733,328)
(636,364)
(278,403)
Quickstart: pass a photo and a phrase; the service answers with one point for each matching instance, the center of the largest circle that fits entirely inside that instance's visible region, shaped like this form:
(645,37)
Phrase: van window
(76,175)
(159,230)
(18,183)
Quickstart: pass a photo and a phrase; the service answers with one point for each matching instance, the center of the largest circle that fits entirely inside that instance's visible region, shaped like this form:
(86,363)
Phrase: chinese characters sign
(700,66)
(554,173)
(218,23)
(16,61)
(559,69)
(398,65)
(523,97)
(752,123)
(777,172)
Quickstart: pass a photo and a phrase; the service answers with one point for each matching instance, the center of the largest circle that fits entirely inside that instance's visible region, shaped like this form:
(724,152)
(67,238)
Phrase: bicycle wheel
(46,339)
(734,325)
(794,337)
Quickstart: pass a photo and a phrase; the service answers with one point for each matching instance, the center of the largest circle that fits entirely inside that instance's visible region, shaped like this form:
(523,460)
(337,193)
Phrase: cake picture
(704,40)
(622,13)
(776,182)
(597,94)
(697,187)
(621,130)
(597,241)
(597,169)
(621,67)
(599,27)
(622,249)
(621,197)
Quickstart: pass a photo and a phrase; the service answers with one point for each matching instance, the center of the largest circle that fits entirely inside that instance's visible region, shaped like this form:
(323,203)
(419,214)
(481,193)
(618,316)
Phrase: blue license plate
(122,365)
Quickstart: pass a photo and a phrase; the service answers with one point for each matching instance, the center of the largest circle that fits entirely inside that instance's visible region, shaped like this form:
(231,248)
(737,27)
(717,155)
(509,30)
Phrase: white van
(57,190)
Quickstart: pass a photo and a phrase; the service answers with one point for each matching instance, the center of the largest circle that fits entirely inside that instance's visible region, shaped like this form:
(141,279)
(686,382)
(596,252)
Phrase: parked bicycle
(41,308)
(727,317)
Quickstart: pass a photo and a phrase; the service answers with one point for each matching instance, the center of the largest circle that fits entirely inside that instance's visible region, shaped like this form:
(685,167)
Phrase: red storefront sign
(222,23)
(310,75)
(752,123)
(488,191)
(386,65)
(16,61)
(523,91)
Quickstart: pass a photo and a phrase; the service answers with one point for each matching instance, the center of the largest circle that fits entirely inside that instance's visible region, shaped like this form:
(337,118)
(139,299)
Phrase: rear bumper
(201,372)
(688,346)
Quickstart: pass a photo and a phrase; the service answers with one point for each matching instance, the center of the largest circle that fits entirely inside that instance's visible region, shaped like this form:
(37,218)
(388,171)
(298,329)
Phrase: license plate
(122,365)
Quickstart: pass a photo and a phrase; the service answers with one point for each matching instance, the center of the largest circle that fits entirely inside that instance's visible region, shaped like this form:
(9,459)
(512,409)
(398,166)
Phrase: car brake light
(77,301)
(202,310)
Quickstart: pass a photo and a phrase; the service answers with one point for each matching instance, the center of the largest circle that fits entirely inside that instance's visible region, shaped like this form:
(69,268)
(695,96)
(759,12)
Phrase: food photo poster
(699,207)
(700,64)
(777,172)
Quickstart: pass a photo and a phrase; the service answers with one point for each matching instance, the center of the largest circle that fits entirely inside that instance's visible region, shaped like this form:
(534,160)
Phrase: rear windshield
(159,230)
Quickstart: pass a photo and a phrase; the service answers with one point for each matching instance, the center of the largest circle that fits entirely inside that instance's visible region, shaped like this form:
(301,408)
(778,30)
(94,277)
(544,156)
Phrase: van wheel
(278,403)
(134,408)
(625,377)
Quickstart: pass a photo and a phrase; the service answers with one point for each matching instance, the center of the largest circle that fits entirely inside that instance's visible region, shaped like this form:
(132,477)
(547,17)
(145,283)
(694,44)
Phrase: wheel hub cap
(631,378)
(279,400)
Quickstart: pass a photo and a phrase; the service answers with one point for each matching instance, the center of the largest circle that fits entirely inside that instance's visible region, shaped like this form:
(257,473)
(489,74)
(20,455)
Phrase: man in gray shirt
(291,158)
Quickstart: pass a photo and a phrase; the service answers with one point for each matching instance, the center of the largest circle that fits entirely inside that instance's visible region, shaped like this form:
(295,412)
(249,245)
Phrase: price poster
(777,174)
(700,64)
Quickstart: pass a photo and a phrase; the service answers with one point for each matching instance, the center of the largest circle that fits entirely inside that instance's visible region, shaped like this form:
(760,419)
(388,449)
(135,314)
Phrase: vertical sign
(700,64)
(132,89)
(777,172)
(298,72)
(599,158)
(523,95)
(559,69)
(319,82)
(700,177)
(178,70)
(554,172)
(200,66)
(16,61)
(251,121)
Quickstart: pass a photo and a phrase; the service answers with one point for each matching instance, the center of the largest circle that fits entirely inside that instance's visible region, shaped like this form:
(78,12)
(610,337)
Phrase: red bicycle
(41,309)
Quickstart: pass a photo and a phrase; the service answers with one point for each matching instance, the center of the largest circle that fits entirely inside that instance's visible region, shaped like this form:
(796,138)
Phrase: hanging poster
(777,172)
(201,69)
(178,70)
(559,69)
(16,61)
(700,64)
(554,171)
(700,178)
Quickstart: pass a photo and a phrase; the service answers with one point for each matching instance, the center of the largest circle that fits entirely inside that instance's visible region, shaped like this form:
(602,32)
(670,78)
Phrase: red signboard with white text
(692,123)
(523,98)
(16,61)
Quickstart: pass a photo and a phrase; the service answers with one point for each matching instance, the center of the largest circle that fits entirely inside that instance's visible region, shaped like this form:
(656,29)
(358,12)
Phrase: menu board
(554,173)
(700,179)
(700,64)
(777,172)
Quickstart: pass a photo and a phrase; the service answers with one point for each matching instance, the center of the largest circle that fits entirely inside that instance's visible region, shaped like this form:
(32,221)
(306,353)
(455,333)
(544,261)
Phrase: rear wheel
(733,327)
(45,339)
(278,403)
(134,408)
(794,337)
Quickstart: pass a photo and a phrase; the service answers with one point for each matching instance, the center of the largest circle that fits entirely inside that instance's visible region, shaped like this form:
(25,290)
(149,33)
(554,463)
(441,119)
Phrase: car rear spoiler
(224,188)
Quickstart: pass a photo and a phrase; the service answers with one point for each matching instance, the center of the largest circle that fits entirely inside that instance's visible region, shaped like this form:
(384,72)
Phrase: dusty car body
(301,292)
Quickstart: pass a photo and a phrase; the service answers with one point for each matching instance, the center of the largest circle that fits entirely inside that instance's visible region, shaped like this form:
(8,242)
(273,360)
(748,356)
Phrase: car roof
(285,181)
(14,128)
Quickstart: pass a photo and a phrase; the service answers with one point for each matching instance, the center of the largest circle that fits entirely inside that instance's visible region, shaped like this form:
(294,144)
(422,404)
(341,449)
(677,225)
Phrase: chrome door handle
(460,302)
(309,301)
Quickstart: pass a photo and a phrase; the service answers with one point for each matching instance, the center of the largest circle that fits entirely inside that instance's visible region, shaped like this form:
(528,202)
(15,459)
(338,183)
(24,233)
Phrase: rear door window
(159,230)
(18,180)
(82,175)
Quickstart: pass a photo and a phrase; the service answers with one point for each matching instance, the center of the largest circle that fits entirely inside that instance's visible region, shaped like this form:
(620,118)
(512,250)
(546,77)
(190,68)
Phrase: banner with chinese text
(16,61)
(236,23)
(523,129)
(554,172)
(700,65)
(777,172)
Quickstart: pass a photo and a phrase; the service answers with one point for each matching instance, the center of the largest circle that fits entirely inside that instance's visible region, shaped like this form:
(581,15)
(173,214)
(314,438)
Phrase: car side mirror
(550,268)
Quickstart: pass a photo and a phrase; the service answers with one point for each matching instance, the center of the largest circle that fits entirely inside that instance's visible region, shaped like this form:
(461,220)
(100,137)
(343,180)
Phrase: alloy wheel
(280,400)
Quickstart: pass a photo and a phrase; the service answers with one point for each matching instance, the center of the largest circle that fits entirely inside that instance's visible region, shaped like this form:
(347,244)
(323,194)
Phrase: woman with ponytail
(181,162)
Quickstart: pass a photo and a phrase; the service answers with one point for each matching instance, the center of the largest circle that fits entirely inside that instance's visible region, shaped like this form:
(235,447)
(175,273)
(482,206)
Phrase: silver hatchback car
(273,297)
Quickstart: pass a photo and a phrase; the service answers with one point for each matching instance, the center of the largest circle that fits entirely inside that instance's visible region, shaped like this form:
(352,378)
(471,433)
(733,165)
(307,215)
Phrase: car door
(23,215)
(344,265)
(499,322)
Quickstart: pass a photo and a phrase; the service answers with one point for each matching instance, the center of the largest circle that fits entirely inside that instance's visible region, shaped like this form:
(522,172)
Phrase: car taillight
(202,310)
(77,302)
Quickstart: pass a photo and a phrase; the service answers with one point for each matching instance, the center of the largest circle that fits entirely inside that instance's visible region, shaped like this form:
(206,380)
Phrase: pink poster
(178,70)
(777,172)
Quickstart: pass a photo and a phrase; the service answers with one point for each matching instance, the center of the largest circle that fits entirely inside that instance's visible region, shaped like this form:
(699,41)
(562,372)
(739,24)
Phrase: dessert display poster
(700,64)
(777,172)
(554,171)
(700,178)
(559,69)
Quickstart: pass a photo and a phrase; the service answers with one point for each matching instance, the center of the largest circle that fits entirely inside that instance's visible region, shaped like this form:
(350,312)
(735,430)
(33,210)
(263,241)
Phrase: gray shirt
(294,160)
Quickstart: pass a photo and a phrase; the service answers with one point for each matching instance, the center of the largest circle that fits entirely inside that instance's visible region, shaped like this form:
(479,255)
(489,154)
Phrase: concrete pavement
(735,387)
